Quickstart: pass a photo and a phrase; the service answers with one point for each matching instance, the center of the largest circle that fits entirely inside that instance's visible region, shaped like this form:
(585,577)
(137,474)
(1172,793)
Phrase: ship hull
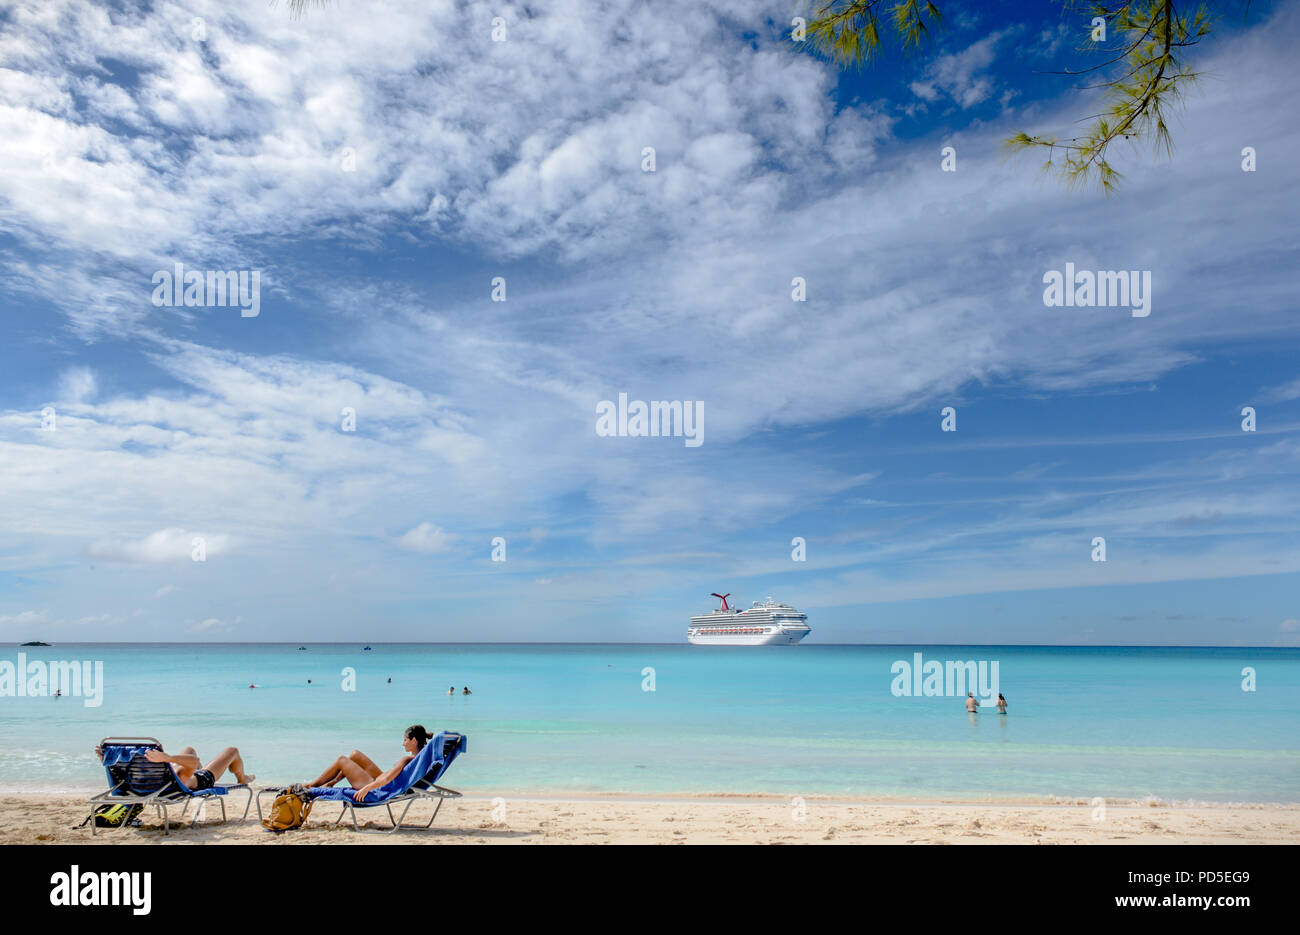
(775,636)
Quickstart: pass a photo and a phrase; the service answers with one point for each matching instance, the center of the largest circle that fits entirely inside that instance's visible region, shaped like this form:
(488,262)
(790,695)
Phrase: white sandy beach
(30,819)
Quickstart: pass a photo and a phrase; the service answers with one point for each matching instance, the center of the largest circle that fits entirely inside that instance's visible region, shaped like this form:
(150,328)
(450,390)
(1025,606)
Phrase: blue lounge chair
(417,781)
(134,780)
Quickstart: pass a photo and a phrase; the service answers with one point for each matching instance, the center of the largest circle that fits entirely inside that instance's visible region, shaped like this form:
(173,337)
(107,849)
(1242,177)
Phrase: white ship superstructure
(762,624)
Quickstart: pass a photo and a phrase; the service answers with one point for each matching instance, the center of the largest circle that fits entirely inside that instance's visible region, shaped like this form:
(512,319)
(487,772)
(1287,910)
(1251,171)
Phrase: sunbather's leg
(185,773)
(343,768)
(365,763)
(331,775)
(229,758)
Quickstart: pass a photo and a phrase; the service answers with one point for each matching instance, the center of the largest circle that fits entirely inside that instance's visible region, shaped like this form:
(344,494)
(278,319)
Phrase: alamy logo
(638,419)
(40,679)
(75,888)
(950,678)
(1112,288)
(212,288)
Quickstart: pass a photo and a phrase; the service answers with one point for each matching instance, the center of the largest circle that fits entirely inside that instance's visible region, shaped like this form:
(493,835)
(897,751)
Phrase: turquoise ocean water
(1120,723)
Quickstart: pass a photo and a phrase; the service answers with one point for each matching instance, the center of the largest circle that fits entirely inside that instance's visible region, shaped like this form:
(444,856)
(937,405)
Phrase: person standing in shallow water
(971,704)
(1002,704)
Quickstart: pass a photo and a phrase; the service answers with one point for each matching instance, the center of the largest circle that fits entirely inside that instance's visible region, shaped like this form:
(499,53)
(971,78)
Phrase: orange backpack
(289,810)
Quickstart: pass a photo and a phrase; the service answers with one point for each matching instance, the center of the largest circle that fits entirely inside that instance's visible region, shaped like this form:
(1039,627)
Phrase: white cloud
(27,618)
(77,385)
(426,538)
(42,619)
(1283,393)
(164,545)
(925,90)
(960,75)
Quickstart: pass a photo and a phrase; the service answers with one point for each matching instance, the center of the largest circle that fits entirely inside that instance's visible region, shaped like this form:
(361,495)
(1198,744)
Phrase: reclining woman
(362,772)
(191,771)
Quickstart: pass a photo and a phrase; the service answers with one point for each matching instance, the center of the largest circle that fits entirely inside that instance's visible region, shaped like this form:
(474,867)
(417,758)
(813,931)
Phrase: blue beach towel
(129,773)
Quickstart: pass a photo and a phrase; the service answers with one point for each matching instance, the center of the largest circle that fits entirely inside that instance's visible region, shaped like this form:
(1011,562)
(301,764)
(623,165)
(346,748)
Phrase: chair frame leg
(399,821)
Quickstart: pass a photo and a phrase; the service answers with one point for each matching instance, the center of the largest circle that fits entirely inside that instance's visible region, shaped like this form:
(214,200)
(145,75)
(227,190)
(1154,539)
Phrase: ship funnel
(723,598)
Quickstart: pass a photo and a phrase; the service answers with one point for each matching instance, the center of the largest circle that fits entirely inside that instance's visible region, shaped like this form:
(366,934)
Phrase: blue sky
(382,163)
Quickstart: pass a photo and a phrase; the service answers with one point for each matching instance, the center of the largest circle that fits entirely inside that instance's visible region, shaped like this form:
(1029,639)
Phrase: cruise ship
(765,624)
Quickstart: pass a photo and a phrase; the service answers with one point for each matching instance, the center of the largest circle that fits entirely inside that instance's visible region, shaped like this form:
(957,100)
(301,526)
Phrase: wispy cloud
(1283,393)
(963,76)
(77,384)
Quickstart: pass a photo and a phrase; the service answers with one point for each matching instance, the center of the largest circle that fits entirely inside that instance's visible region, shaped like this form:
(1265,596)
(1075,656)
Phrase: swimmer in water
(451,690)
(971,704)
(467,691)
(1002,704)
